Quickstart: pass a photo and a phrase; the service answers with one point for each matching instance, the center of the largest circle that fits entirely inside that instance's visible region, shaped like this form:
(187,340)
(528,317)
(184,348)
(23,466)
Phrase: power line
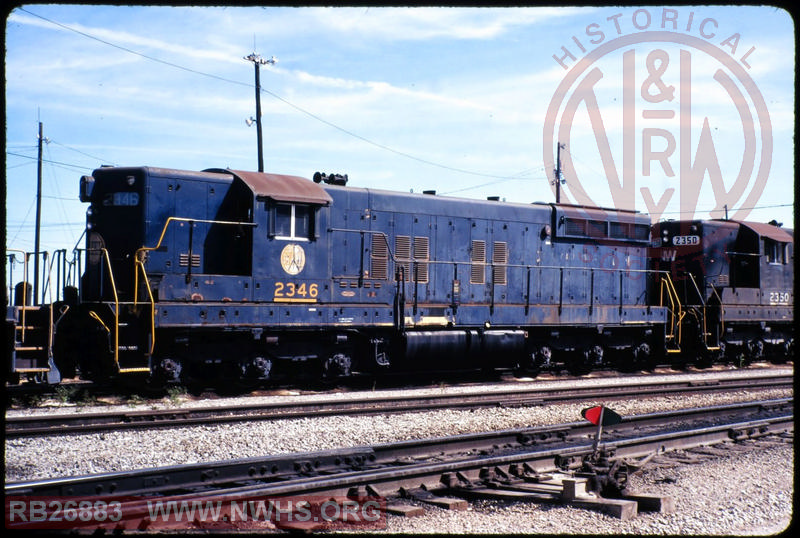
(79,151)
(50,161)
(58,198)
(275,96)
(131,51)
(498,178)
(523,175)
(24,221)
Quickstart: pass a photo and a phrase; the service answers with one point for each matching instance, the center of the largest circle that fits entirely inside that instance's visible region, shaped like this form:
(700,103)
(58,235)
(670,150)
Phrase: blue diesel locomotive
(228,275)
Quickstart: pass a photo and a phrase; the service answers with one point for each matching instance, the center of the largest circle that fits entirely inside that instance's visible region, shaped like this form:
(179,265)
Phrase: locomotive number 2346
(295,291)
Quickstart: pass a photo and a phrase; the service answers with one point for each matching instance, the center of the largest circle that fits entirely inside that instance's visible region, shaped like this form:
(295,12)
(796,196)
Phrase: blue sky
(449,99)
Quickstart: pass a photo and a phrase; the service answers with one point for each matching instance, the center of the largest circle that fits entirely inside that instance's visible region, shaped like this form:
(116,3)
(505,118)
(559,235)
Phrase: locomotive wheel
(594,355)
(755,349)
(784,352)
(167,370)
(256,368)
(536,361)
(642,357)
(752,350)
(339,365)
(579,362)
(252,373)
(544,357)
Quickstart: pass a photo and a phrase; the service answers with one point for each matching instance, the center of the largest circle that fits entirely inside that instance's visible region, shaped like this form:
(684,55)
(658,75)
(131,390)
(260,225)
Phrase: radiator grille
(477,274)
(379,258)
(183,260)
(500,261)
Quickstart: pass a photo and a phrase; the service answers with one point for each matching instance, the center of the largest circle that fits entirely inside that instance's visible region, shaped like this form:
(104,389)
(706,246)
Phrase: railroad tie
(563,489)
(425,496)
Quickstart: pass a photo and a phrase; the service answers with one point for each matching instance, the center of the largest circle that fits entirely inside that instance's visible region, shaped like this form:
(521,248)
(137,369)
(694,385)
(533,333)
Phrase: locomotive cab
(288,248)
(735,280)
(164,246)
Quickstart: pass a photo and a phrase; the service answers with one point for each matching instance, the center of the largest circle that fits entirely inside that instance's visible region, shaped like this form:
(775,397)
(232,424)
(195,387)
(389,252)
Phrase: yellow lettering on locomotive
(288,292)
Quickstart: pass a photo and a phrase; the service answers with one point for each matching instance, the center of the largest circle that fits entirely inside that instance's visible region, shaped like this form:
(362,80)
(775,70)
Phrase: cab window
(292,222)
(775,251)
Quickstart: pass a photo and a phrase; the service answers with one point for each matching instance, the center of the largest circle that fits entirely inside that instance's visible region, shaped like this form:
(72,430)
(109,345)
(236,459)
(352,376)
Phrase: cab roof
(281,188)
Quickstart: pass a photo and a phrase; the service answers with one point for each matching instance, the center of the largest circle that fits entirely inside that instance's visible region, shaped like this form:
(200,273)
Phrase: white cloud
(464,88)
(414,24)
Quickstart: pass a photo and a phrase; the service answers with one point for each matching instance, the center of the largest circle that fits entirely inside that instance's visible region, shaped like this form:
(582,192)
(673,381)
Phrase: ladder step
(142,370)
(29,348)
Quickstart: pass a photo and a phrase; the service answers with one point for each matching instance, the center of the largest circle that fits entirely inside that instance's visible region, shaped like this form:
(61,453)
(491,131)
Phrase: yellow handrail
(107,258)
(675,306)
(170,220)
(94,315)
(721,319)
(703,313)
(116,320)
(140,265)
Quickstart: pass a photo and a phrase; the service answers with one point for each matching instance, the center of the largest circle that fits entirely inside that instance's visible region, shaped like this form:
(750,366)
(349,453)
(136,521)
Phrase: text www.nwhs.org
(72,512)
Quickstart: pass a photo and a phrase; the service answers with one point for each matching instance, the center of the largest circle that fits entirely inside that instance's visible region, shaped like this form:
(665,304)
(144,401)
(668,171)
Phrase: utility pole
(557,173)
(38,220)
(257,62)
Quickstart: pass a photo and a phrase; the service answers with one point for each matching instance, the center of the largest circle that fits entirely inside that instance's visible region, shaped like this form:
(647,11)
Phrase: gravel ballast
(743,494)
(715,497)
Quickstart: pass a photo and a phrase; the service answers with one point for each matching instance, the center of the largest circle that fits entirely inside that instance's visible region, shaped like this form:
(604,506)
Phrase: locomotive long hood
(281,188)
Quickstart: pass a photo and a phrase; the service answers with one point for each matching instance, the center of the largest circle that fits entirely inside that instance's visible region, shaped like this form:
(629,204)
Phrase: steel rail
(532,445)
(462,477)
(25,426)
(429,474)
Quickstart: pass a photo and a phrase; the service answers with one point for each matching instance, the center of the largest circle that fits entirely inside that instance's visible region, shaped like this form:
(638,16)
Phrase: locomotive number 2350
(292,290)
(779,297)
